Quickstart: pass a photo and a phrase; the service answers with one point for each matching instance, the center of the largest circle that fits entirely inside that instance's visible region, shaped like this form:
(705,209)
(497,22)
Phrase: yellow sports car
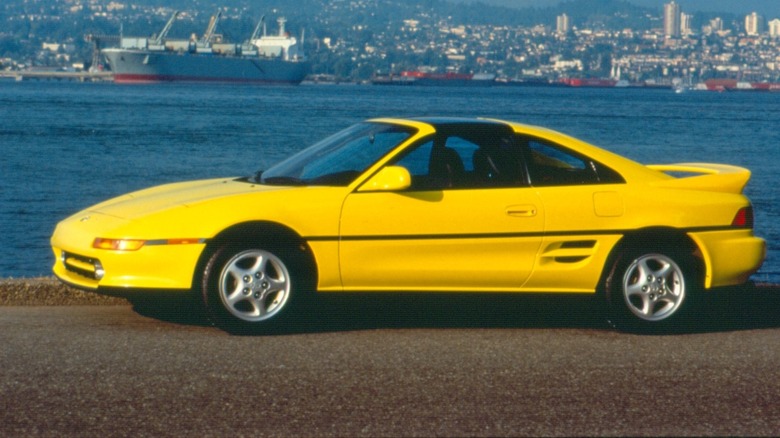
(422,205)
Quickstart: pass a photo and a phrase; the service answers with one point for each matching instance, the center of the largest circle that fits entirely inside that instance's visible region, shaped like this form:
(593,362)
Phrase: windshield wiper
(257,177)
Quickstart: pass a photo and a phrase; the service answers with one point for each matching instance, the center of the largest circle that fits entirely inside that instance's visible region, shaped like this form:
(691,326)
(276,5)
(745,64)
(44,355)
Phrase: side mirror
(389,179)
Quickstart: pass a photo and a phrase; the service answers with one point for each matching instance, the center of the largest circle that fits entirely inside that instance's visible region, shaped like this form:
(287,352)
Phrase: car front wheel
(650,291)
(251,290)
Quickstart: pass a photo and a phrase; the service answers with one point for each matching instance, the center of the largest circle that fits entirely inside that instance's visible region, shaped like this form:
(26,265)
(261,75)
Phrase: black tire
(651,290)
(251,289)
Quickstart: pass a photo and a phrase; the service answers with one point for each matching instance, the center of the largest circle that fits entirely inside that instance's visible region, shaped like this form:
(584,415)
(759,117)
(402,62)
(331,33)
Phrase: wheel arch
(665,237)
(270,233)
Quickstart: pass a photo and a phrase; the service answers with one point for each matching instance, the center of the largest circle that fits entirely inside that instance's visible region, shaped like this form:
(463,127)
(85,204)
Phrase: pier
(43,75)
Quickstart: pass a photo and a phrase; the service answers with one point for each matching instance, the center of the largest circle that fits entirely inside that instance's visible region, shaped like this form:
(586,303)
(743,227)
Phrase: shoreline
(48,291)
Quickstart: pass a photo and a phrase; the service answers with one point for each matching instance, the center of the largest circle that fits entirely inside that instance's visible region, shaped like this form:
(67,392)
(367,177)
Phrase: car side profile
(427,205)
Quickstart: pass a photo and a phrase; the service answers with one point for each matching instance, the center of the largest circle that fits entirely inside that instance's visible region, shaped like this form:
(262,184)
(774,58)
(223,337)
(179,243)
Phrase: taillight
(744,218)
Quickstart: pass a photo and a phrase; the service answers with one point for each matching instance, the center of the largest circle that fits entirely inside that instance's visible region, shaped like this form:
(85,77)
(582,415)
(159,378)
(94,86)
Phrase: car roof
(443,121)
(438,121)
(627,167)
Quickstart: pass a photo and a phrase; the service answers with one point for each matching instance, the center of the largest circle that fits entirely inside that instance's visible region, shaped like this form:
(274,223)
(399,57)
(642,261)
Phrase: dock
(42,75)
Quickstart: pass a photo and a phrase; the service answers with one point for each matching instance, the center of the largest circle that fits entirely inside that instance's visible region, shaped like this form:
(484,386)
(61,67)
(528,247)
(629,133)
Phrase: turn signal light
(118,244)
(744,218)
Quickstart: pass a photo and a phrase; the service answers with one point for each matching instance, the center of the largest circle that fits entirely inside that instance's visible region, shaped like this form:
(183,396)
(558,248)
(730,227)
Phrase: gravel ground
(48,291)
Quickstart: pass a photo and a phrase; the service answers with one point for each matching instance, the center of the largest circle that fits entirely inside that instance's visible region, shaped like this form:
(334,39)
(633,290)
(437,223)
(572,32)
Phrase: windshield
(340,158)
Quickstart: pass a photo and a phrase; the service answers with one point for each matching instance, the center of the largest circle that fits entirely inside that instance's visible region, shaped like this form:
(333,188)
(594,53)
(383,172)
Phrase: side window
(466,157)
(434,165)
(499,163)
(550,165)
(416,162)
(465,150)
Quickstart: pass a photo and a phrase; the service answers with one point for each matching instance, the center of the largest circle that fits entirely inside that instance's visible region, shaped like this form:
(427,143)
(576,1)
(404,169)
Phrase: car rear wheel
(247,289)
(650,291)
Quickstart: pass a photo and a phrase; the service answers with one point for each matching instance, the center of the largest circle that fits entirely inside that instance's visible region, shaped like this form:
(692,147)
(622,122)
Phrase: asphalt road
(390,366)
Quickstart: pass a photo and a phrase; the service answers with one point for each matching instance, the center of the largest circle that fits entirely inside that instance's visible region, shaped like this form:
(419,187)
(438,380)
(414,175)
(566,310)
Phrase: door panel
(582,227)
(464,240)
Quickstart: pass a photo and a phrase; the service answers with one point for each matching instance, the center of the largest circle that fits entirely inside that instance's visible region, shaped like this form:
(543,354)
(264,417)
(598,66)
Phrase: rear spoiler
(704,176)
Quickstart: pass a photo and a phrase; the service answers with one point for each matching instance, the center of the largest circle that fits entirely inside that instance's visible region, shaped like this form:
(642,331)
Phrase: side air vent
(572,259)
(570,251)
(578,244)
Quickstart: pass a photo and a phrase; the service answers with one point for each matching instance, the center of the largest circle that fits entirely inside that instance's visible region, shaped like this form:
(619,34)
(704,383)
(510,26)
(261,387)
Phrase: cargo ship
(436,79)
(262,59)
(589,82)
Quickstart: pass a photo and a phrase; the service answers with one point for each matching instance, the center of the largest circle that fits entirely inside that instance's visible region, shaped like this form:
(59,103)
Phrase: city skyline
(769,8)
(618,40)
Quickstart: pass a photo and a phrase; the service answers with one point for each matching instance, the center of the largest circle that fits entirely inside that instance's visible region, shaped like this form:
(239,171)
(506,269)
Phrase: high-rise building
(562,24)
(717,24)
(754,24)
(714,26)
(774,28)
(672,20)
(686,24)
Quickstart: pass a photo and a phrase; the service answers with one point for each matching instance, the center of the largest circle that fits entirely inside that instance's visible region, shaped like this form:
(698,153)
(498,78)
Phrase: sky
(769,8)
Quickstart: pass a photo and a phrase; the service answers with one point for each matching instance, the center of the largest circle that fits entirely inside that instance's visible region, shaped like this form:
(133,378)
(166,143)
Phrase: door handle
(521,210)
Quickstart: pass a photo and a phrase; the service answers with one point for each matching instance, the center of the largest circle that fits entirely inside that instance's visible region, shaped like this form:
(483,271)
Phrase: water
(66,146)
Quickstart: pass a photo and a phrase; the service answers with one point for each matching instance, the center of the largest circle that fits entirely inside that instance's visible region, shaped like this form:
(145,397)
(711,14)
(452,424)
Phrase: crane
(248,47)
(158,41)
(211,29)
(260,25)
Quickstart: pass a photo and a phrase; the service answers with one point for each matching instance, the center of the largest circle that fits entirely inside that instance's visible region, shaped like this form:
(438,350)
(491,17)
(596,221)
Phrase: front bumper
(156,265)
(151,267)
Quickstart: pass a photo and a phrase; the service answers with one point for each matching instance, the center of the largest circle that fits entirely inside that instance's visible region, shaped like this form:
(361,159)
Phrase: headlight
(136,244)
(118,244)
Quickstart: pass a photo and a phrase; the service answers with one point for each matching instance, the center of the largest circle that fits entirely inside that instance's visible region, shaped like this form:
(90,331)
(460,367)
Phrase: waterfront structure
(430,79)
(672,27)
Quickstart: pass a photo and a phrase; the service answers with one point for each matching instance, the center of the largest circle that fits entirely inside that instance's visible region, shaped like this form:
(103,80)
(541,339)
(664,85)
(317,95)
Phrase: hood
(178,195)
